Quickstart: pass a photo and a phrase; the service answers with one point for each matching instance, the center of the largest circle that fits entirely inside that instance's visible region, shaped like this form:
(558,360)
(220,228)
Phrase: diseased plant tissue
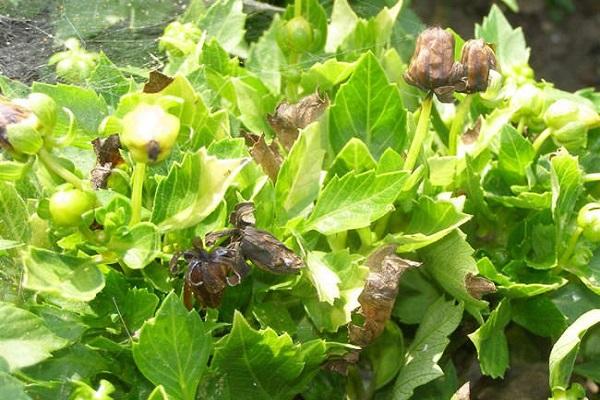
(324,213)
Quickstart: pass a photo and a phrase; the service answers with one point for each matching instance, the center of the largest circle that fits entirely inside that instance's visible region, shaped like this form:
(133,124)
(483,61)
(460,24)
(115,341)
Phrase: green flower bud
(588,220)
(75,64)
(570,122)
(527,101)
(179,39)
(68,205)
(296,36)
(44,108)
(24,137)
(149,133)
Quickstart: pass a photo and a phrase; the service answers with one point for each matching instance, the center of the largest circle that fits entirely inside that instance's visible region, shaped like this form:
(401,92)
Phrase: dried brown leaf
(243,215)
(107,158)
(379,294)
(478,286)
(157,82)
(288,118)
(268,253)
(267,156)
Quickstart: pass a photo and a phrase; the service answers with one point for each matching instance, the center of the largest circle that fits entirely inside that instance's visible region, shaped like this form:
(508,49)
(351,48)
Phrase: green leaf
(159,393)
(343,22)
(449,261)
(193,189)
(266,59)
(370,108)
(511,49)
(322,277)
(354,201)
(516,154)
(384,354)
(416,293)
(13,89)
(173,349)
(539,316)
(255,364)
(354,156)
(527,200)
(60,275)
(490,341)
(88,107)
(225,21)
(108,81)
(430,221)
(14,217)
(420,365)
(567,184)
(515,289)
(512,4)
(136,247)
(351,277)
(12,388)
(297,183)
(326,75)
(564,351)
(137,306)
(24,339)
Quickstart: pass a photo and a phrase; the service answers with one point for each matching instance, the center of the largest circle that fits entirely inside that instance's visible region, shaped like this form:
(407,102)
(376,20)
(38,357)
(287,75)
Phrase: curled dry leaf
(266,155)
(107,158)
(157,82)
(379,294)
(210,272)
(288,118)
(478,286)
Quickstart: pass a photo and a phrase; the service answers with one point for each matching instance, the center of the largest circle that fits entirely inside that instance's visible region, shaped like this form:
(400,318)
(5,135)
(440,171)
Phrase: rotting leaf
(266,155)
(478,286)
(288,118)
(157,82)
(107,158)
(378,297)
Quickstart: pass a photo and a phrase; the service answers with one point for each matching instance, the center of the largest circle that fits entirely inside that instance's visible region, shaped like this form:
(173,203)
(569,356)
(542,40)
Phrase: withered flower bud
(432,66)
(477,59)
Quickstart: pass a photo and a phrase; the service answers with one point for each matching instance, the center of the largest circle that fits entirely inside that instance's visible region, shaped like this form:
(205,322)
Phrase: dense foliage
(298,216)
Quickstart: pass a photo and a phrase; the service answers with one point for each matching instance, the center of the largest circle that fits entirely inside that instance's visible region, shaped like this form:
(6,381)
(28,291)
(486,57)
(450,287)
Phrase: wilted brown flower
(10,114)
(432,66)
(477,59)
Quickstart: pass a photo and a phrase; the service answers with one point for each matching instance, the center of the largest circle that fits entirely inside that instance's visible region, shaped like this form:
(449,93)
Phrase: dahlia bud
(478,59)
(588,220)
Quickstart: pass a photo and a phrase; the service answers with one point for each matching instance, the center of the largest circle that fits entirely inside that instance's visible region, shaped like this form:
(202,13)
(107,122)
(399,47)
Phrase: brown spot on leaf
(379,294)
(107,158)
(478,286)
(157,82)
(267,156)
(471,135)
(288,118)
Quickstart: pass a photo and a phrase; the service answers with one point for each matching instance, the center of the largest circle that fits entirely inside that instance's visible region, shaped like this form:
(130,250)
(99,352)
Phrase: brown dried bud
(10,114)
(268,253)
(477,59)
(432,66)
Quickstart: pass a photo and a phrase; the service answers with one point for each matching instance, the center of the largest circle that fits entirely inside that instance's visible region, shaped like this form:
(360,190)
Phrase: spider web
(125,30)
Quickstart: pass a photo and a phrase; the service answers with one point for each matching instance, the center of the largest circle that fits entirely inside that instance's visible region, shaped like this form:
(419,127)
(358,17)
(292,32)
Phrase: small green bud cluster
(68,204)
(570,122)
(75,64)
(179,40)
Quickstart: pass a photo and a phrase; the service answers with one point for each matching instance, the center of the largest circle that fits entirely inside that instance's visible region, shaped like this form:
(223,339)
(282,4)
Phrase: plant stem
(521,125)
(137,184)
(570,247)
(366,236)
(539,141)
(595,177)
(53,165)
(337,241)
(297,8)
(420,134)
(457,124)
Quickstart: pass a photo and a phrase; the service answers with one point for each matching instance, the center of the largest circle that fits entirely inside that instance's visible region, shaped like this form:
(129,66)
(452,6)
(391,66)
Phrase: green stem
(521,125)
(457,124)
(52,164)
(420,134)
(297,8)
(570,247)
(539,141)
(595,177)
(137,184)
(365,235)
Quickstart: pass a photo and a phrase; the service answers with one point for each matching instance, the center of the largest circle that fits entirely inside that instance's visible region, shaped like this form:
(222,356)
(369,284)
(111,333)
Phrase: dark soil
(565,45)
